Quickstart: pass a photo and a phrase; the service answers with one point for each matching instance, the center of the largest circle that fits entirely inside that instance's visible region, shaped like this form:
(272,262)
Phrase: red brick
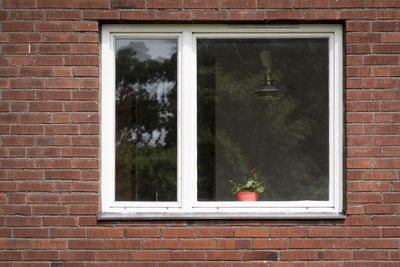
(25,15)
(354,60)
(23,221)
(101,14)
(89,37)
(164,4)
(67,232)
(53,95)
(174,15)
(160,244)
(78,255)
(83,49)
(45,60)
(90,129)
(364,197)
(311,3)
(53,163)
(91,4)
(10,255)
(138,15)
(8,118)
(251,232)
(25,37)
(14,244)
(30,232)
(43,198)
(284,15)
(80,152)
(81,60)
(124,244)
(104,232)
(86,244)
(379,243)
(297,255)
(114,255)
(347,4)
(386,26)
(61,37)
(86,26)
(63,15)
(306,244)
(15,49)
(270,244)
(61,129)
(55,49)
(54,3)
(371,255)
(275,4)
(210,15)
(391,232)
(54,26)
(151,255)
(50,210)
(215,232)
(360,14)
(35,186)
(343,243)
(19,3)
(62,84)
(363,37)
(382,60)
(143,232)
(128,4)
(201,4)
(60,221)
(233,244)
(321,14)
(85,118)
(325,232)
(53,140)
(238,3)
(222,255)
(334,255)
(63,71)
(17,26)
(80,199)
(196,244)
(364,152)
(49,244)
(178,232)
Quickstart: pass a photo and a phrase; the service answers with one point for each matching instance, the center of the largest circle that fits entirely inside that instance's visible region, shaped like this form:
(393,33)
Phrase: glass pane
(146,122)
(263,104)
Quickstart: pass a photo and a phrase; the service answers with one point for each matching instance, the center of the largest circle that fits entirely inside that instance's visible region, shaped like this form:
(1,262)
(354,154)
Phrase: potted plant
(249,191)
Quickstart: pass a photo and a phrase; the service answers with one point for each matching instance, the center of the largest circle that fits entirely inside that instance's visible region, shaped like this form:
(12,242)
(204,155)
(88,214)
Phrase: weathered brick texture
(49,136)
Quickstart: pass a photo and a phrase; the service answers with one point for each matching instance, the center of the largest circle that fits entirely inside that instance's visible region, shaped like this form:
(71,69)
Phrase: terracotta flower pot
(247,196)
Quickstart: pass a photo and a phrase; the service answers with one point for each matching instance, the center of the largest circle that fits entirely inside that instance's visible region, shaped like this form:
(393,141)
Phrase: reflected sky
(155,49)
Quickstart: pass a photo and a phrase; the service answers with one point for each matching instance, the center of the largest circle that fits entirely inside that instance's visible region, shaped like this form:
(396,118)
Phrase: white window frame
(187,206)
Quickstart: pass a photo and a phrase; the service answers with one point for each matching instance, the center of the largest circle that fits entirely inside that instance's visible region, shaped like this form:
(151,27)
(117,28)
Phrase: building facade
(53,77)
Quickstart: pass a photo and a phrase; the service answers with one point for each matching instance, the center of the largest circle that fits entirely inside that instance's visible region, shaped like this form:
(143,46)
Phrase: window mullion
(188,123)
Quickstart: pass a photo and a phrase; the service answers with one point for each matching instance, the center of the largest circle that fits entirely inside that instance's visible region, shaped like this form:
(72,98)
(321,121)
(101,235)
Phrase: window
(187,108)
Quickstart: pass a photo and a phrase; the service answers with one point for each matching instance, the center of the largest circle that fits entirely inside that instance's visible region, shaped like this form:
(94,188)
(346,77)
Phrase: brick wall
(49,154)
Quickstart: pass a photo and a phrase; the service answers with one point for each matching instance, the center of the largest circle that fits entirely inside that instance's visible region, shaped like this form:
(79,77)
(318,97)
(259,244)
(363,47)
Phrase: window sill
(219,215)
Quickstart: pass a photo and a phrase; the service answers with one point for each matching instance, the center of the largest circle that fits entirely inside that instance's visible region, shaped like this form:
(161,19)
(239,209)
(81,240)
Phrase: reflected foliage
(146,124)
(285,138)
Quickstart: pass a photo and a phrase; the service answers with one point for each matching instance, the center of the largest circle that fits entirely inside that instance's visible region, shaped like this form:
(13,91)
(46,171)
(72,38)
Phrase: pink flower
(253,170)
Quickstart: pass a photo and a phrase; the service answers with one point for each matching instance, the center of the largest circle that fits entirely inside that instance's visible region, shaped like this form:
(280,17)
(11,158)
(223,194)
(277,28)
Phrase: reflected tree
(285,138)
(146,125)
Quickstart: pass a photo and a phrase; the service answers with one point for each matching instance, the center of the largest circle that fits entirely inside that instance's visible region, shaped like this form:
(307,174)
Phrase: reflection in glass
(146,119)
(286,137)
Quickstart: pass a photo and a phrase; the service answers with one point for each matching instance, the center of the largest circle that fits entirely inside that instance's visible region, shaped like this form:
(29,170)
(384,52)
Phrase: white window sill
(220,215)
